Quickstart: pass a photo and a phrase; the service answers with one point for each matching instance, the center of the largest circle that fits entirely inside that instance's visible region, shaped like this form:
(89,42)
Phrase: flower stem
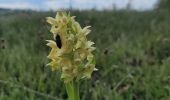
(72,89)
(76,90)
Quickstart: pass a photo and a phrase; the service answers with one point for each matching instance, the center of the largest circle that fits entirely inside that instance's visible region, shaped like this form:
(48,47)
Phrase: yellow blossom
(71,51)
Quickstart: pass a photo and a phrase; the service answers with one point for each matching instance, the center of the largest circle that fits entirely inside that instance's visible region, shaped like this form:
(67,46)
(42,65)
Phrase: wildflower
(71,51)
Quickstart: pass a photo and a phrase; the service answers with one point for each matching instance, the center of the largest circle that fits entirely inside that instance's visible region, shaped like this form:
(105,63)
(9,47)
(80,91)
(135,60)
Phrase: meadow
(132,54)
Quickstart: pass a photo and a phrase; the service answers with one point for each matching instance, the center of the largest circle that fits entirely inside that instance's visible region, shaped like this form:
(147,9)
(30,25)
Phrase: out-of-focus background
(132,49)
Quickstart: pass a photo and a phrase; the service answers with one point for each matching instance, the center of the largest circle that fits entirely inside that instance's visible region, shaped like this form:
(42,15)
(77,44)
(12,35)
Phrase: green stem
(76,90)
(72,89)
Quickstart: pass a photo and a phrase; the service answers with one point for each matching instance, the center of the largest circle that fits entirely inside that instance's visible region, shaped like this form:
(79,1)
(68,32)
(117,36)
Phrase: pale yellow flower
(71,51)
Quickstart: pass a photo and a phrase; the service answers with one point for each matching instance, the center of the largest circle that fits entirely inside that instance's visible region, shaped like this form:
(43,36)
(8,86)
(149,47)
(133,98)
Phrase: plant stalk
(72,89)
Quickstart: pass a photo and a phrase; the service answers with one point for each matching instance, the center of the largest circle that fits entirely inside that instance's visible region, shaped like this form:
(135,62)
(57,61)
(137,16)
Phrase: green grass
(133,56)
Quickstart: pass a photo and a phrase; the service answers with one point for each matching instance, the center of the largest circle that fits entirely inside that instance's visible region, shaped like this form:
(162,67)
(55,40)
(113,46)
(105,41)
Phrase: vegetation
(133,56)
(164,4)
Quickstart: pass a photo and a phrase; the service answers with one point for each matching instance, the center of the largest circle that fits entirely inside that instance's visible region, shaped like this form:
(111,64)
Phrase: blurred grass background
(133,55)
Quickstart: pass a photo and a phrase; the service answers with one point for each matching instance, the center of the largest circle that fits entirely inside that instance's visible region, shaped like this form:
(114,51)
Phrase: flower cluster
(71,52)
